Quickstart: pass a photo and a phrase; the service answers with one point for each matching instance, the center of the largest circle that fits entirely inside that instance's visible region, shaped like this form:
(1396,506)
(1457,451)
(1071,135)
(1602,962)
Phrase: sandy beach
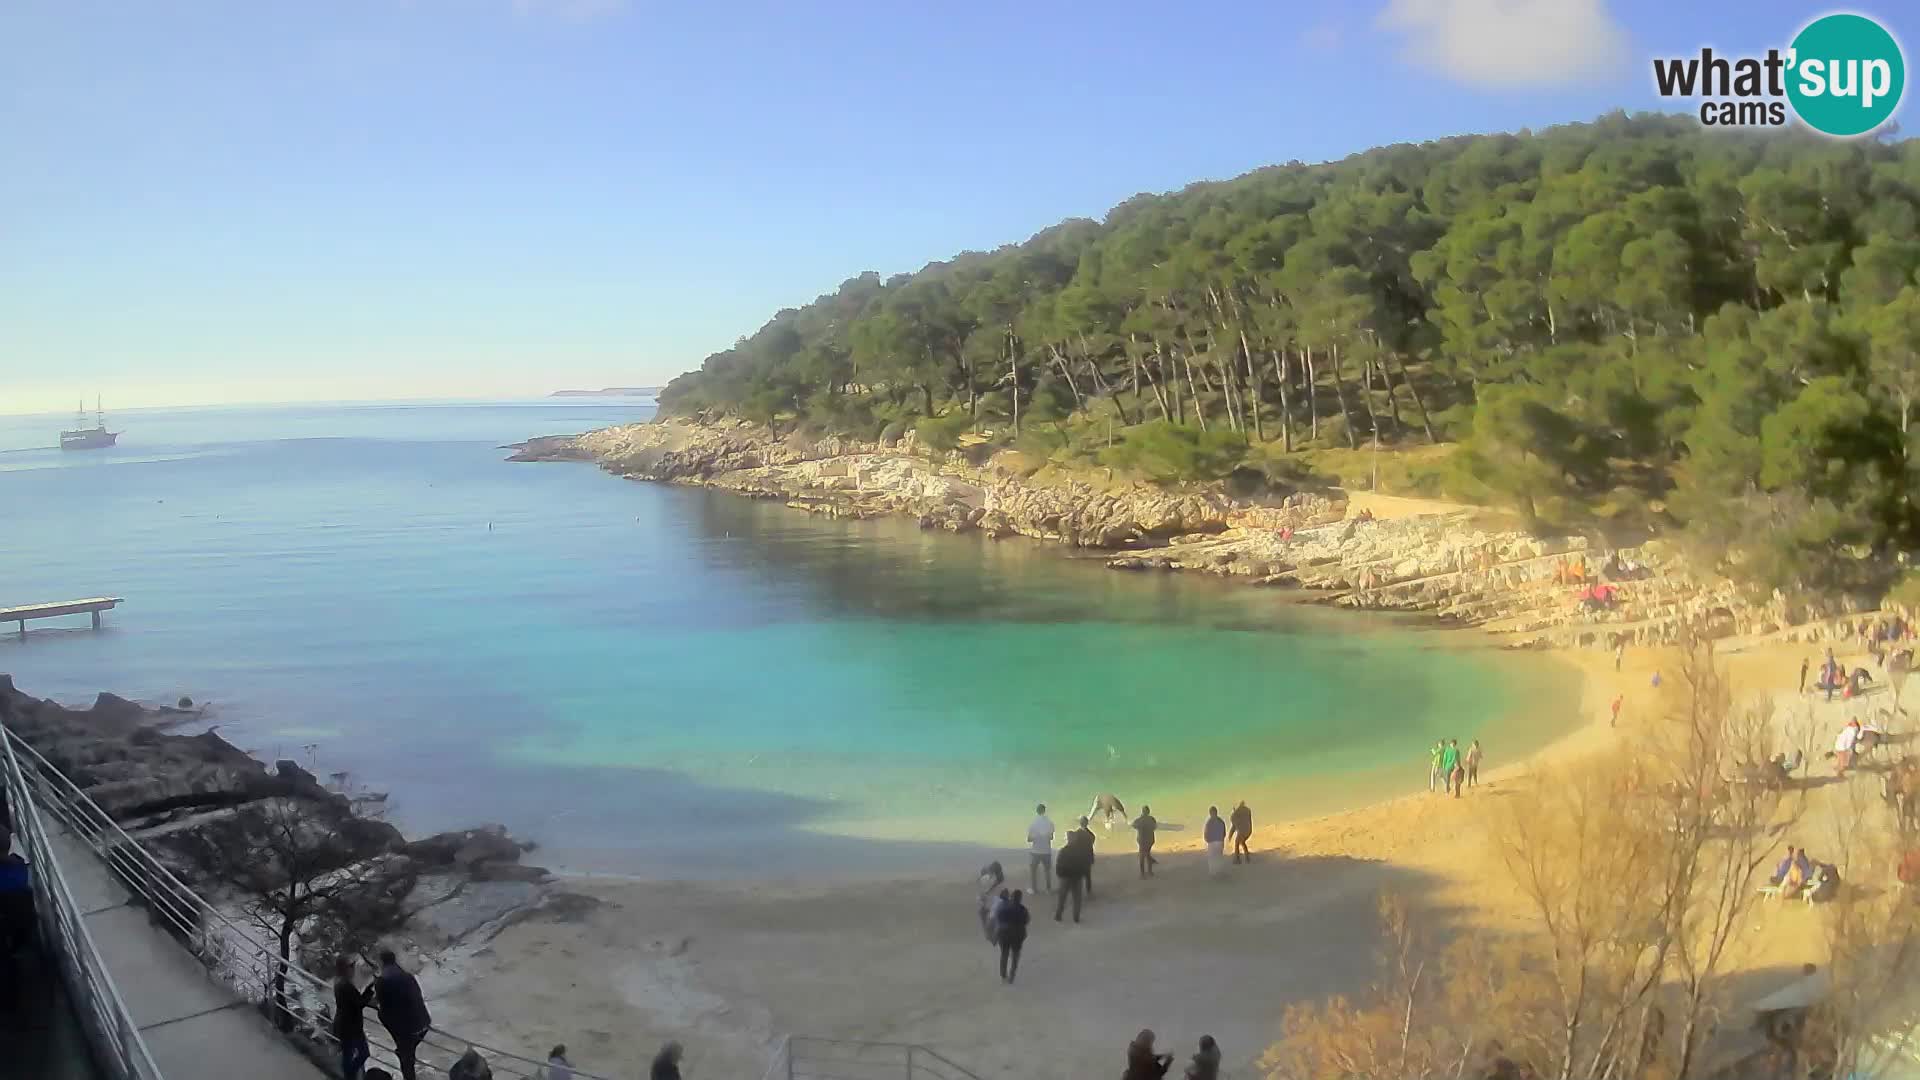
(729,969)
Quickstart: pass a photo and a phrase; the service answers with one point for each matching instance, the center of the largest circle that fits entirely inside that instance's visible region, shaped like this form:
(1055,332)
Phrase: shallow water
(662,680)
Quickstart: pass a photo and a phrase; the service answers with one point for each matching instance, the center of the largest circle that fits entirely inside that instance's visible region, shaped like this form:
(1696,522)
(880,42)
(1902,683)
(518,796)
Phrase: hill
(1629,323)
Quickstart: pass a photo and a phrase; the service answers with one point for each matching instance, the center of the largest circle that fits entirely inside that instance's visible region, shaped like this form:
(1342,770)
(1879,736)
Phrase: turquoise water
(661,680)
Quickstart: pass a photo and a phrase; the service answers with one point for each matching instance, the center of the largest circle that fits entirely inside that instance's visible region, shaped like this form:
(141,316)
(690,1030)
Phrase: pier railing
(118,1050)
(43,799)
(231,953)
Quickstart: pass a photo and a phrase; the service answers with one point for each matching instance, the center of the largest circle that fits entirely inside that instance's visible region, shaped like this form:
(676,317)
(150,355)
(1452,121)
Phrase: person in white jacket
(1040,849)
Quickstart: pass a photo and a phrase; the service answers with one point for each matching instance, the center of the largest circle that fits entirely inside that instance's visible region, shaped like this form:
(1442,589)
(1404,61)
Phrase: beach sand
(730,968)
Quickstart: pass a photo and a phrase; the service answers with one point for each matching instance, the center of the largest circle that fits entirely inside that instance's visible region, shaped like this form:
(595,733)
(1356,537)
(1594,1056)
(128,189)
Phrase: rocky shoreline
(179,795)
(1455,566)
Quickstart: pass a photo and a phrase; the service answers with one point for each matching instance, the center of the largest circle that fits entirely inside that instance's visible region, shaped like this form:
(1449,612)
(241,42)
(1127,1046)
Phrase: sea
(667,682)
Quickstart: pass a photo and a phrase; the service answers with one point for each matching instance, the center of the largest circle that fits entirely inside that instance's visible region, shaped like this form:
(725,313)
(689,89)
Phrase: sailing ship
(88,438)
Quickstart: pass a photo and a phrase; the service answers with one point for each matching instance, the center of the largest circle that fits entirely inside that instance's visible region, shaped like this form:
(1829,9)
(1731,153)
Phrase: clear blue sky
(243,200)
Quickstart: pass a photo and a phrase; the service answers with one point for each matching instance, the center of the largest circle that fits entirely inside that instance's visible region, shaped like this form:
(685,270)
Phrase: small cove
(674,682)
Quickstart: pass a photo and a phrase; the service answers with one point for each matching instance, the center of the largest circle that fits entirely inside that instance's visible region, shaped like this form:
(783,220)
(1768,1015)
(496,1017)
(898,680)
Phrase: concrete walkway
(194,1027)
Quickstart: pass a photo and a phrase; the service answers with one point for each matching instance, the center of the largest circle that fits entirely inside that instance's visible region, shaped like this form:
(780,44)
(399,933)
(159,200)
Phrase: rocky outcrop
(1450,565)
(847,478)
(174,792)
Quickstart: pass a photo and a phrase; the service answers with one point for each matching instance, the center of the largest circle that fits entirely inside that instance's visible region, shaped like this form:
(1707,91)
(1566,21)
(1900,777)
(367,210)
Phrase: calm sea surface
(658,680)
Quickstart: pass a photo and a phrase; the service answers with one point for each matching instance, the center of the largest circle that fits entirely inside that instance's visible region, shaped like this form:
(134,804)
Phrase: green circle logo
(1847,75)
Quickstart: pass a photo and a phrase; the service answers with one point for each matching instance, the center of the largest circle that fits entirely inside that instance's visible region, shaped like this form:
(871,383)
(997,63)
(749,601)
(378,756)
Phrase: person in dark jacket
(1142,1062)
(1012,918)
(1086,838)
(1144,827)
(1241,831)
(666,1063)
(1071,869)
(403,1011)
(349,1026)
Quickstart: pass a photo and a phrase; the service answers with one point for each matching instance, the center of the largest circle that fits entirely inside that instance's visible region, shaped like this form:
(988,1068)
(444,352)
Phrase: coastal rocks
(465,847)
(1447,564)
(181,795)
(550,448)
(459,909)
(1077,515)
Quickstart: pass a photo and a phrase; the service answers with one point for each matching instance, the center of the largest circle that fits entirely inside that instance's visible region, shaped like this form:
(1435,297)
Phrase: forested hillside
(1632,320)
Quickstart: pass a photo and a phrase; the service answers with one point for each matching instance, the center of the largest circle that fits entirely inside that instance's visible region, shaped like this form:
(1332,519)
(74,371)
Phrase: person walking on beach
(1804,662)
(1241,831)
(1013,919)
(666,1063)
(991,878)
(1215,835)
(990,915)
(349,1025)
(1449,761)
(1615,720)
(402,1009)
(1433,766)
(1142,1062)
(1076,862)
(1473,764)
(1619,652)
(1083,836)
(1040,849)
(1143,829)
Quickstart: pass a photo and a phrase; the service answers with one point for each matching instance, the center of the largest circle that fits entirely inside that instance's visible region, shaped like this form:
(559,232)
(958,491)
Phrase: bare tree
(306,872)
(1639,871)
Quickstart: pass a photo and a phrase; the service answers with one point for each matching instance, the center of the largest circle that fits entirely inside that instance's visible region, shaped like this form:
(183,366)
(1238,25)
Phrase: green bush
(1178,453)
(942,433)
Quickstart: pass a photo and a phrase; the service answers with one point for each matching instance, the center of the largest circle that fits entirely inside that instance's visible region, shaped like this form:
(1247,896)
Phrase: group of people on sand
(1799,876)
(1068,874)
(1449,771)
(395,997)
(1145,1062)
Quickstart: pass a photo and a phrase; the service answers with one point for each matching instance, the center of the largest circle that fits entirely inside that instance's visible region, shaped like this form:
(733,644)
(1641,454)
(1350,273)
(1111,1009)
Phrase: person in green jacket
(1449,761)
(1433,767)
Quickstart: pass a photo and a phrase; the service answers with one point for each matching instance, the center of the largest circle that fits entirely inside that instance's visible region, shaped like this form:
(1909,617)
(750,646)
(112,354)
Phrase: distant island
(611,391)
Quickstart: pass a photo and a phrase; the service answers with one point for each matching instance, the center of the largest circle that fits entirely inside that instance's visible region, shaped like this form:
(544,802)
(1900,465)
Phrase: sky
(221,201)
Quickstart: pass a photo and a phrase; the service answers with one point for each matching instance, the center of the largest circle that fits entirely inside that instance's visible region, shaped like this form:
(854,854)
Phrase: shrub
(942,433)
(1178,453)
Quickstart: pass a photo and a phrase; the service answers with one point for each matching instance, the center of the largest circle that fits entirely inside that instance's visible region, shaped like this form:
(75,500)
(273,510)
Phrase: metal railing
(114,1038)
(230,953)
(806,1058)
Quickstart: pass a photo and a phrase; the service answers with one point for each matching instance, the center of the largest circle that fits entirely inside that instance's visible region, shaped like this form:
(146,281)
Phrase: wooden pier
(91,606)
